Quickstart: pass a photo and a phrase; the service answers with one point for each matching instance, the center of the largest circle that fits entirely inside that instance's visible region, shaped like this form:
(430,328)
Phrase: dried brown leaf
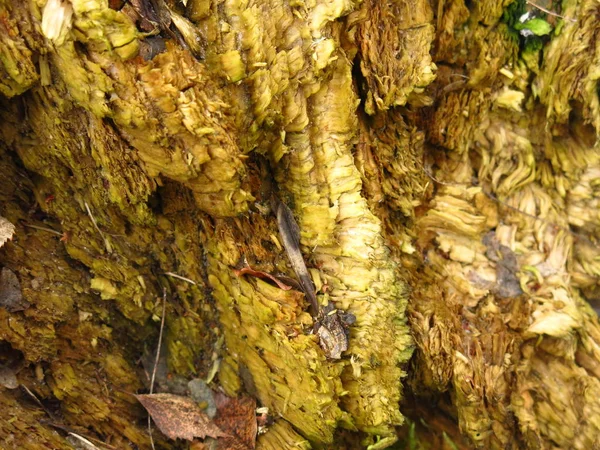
(11,297)
(290,235)
(179,417)
(263,275)
(237,418)
(7,230)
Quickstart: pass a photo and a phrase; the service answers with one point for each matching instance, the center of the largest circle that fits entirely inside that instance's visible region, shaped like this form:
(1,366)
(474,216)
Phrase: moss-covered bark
(443,169)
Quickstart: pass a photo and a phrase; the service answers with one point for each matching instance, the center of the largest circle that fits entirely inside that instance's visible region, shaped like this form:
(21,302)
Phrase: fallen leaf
(237,418)
(263,275)
(179,417)
(7,230)
(11,297)
(290,235)
(8,378)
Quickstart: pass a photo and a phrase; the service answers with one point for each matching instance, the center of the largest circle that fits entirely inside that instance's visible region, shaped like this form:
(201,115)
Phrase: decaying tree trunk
(442,163)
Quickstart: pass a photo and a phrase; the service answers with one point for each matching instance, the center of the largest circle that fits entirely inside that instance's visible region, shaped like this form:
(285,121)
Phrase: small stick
(37,400)
(61,427)
(71,432)
(512,208)
(550,13)
(106,243)
(174,275)
(49,230)
(84,440)
(160,335)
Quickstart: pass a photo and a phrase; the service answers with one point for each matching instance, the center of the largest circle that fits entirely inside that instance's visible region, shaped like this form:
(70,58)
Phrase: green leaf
(537,26)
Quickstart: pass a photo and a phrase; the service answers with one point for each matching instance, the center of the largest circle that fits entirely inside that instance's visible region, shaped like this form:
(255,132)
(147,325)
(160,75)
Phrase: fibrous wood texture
(441,160)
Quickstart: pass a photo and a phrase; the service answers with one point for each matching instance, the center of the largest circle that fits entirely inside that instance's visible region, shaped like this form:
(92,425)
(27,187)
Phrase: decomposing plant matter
(437,169)
(290,235)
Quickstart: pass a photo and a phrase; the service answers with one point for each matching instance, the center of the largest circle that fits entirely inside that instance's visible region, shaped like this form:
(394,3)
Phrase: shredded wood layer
(441,162)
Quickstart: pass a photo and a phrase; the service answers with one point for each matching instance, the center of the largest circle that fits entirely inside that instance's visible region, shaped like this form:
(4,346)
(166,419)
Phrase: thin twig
(49,230)
(512,208)
(62,427)
(435,180)
(160,336)
(37,400)
(174,275)
(71,432)
(84,440)
(550,13)
(575,234)
(106,243)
